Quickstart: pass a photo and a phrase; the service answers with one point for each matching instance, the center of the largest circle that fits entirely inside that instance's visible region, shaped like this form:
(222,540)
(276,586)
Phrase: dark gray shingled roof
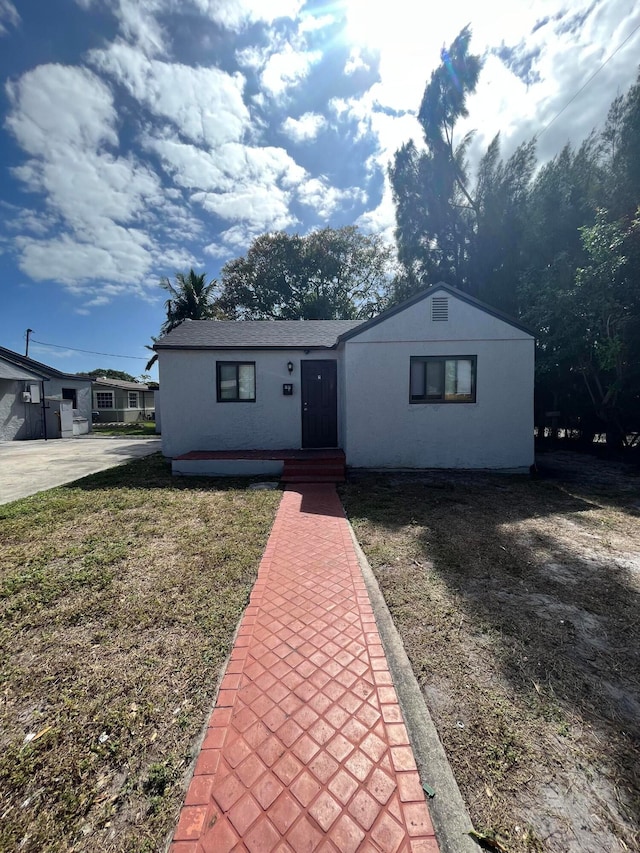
(256,334)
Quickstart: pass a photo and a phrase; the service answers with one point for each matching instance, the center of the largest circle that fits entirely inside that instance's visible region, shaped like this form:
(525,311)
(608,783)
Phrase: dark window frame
(422,400)
(237,398)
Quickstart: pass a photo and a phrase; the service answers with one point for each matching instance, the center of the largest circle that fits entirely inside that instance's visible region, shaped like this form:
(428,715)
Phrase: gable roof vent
(440,308)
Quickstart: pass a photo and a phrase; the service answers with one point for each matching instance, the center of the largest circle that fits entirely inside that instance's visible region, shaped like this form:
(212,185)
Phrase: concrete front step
(305,465)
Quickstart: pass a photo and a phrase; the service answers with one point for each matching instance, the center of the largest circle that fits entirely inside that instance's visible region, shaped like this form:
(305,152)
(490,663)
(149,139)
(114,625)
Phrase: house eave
(263,347)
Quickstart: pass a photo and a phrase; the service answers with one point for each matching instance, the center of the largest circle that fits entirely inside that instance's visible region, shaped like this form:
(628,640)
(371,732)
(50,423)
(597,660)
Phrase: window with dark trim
(442,379)
(236,381)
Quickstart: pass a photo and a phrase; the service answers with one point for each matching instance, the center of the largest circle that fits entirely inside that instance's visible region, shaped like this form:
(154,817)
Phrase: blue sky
(141,137)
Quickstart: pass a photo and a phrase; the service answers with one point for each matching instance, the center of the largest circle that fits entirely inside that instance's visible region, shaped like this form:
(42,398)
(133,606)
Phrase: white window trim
(137,405)
(103,393)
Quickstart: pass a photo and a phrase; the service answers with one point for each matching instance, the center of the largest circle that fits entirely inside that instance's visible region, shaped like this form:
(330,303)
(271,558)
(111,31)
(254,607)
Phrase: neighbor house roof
(9,370)
(256,334)
(121,383)
(41,370)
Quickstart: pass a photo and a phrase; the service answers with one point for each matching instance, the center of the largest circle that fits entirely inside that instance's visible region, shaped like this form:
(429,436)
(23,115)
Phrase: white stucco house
(38,401)
(439,381)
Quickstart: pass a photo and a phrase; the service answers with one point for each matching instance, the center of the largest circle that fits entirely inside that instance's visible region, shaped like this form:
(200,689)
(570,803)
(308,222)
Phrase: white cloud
(60,106)
(287,68)
(246,185)
(233,241)
(120,257)
(324,198)
(97,301)
(307,127)
(229,166)
(355,62)
(381,220)
(236,14)
(309,23)
(138,23)
(204,104)
(9,17)
(262,208)
(65,119)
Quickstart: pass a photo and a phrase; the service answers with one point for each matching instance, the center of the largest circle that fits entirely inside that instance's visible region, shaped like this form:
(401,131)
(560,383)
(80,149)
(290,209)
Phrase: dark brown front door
(319,404)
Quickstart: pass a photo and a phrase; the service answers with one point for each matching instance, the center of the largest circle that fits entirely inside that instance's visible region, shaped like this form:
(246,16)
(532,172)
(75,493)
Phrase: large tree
(190,298)
(331,273)
(435,208)
(107,373)
(466,232)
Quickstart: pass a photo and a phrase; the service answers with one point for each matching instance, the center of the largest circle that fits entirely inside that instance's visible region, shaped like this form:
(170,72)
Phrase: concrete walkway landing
(306,749)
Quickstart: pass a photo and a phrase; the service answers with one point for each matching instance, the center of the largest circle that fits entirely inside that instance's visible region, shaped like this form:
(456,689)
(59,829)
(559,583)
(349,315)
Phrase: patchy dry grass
(119,596)
(518,602)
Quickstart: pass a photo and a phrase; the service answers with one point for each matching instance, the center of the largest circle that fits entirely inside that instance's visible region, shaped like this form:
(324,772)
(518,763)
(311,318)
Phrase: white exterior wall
(19,420)
(53,388)
(383,429)
(192,419)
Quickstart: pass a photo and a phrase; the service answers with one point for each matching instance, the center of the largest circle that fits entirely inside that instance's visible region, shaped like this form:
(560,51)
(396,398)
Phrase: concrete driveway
(27,467)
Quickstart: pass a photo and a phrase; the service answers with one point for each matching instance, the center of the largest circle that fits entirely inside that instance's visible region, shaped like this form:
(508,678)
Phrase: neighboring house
(117,401)
(440,381)
(38,401)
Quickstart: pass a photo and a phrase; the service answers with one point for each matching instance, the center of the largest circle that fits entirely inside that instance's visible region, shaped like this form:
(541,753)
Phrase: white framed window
(104,399)
(133,400)
(443,379)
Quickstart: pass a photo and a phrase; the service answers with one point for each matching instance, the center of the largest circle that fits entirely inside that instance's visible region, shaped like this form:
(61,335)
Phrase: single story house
(439,381)
(117,401)
(38,401)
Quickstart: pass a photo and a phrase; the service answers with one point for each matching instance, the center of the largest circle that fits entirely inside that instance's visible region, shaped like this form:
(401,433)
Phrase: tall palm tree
(190,298)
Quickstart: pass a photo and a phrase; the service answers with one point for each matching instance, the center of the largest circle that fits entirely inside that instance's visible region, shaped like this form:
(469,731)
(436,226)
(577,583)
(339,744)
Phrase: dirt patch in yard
(518,602)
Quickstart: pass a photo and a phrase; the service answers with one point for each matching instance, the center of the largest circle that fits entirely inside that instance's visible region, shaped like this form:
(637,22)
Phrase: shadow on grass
(564,620)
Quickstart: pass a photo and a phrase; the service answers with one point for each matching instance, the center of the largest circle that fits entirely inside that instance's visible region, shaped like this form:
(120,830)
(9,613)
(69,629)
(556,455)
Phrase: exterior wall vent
(440,309)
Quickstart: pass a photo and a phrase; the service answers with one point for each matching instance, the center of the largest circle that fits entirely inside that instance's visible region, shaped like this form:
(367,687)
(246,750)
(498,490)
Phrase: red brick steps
(326,469)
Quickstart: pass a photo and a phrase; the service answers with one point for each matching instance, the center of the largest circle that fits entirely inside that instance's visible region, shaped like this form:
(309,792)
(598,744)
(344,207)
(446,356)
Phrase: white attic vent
(440,309)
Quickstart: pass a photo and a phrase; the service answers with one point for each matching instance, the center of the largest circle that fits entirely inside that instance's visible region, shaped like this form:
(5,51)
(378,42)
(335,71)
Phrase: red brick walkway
(306,748)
